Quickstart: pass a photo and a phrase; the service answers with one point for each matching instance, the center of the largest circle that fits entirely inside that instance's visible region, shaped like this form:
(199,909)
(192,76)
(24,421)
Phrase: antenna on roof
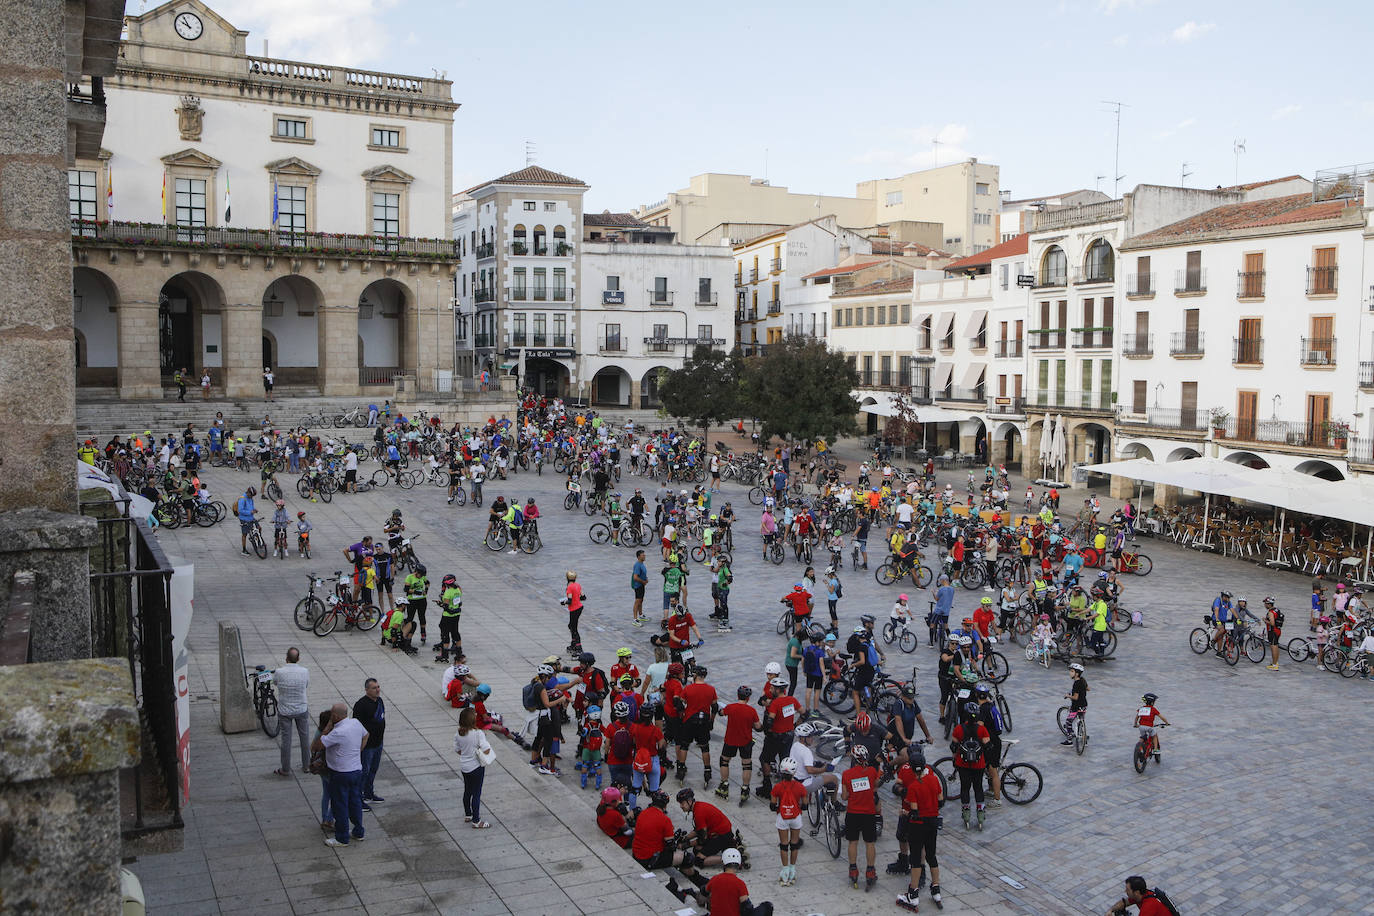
(1116,159)
(1237,148)
(1183,174)
(1098,185)
(529,152)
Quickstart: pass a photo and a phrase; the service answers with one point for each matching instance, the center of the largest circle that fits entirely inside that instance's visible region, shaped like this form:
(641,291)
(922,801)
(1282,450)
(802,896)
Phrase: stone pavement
(1240,815)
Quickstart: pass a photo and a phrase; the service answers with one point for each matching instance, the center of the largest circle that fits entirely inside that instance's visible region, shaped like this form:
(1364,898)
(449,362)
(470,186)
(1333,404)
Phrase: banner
(183,606)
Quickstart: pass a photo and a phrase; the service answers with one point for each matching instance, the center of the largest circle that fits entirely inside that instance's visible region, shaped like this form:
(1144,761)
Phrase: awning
(939,380)
(973,375)
(922,318)
(881,409)
(976,319)
(946,322)
(943,414)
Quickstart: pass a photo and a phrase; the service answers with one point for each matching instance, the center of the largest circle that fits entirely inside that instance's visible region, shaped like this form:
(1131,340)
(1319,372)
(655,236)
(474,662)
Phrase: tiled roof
(847,269)
(1277,211)
(615,220)
(532,174)
(1259,184)
(907,249)
(1007,249)
(899,285)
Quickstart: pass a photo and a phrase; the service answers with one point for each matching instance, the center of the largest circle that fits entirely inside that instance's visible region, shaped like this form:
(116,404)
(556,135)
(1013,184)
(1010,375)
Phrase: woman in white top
(655,674)
(469,740)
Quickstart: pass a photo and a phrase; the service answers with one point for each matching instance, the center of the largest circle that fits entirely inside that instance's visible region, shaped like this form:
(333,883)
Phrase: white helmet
(805,730)
(462,671)
(780,682)
(730,857)
(788,766)
(772,668)
(544,671)
(1076,667)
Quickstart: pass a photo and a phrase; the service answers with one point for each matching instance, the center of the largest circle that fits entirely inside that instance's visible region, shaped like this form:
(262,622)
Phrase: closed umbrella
(1045,442)
(1059,448)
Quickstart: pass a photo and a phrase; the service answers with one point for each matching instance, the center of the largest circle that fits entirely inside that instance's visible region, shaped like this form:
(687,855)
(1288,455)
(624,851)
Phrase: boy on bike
(1078,700)
(1145,718)
(303,528)
(281,519)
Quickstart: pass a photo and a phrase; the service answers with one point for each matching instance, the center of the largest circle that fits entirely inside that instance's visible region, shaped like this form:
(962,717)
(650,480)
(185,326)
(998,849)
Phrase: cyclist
(531,518)
(1273,627)
(355,554)
(393,527)
(416,589)
(800,602)
(281,519)
(514,517)
(479,474)
(859,793)
(1078,700)
(863,647)
(991,718)
(724,577)
(636,507)
(938,621)
(1145,718)
(768,529)
(615,512)
(1223,618)
(495,514)
(247,516)
(451,612)
(1139,895)
(814,775)
(303,528)
(682,626)
(905,715)
(455,473)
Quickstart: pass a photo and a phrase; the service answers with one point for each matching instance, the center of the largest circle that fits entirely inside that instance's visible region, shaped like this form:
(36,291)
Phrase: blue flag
(274,203)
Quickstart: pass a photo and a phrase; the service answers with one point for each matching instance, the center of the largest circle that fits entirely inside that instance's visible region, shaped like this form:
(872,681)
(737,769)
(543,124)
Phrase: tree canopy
(705,390)
(800,389)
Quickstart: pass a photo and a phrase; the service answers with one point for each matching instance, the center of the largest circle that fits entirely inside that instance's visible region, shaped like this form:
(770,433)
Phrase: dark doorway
(176,335)
(268,356)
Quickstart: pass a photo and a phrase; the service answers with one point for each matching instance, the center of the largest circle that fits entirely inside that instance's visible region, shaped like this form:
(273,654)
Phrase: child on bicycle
(280,521)
(1078,700)
(1145,718)
(303,528)
(900,615)
(1323,637)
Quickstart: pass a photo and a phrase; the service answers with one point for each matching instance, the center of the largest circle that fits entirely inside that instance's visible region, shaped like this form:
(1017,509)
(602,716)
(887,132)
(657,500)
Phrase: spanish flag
(109,193)
(164,197)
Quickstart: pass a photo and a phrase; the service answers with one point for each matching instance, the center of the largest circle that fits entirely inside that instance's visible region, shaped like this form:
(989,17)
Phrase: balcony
(707,301)
(609,344)
(923,342)
(739,280)
(977,395)
(519,339)
(1092,338)
(774,307)
(753,275)
(1140,286)
(1048,339)
(1097,274)
(1192,420)
(484,340)
(1250,284)
(486,250)
(1190,282)
(1051,279)
(775,265)
(1321,281)
(660,298)
(1082,401)
(1010,349)
(263,242)
(1137,346)
(519,248)
(1298,433)
(1187,344)
(752,348)
(946,342)
(485,295)
(1367,375)
(979,342)
(746,315)
(1317,351)
(562,295)
(1007,405)
(1247,351)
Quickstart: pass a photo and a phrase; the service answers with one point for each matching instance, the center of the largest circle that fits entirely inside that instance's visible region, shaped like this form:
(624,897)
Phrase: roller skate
(723,789)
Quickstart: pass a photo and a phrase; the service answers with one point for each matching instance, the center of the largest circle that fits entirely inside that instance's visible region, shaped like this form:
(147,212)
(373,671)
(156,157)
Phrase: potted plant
(563,248)
(1218,417)
(517,248)
(1337,432)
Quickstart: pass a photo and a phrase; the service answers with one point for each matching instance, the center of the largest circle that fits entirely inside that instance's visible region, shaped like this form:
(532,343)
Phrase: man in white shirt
(811,774)
(292,682)
(351,471)
(904,514)
(342,741)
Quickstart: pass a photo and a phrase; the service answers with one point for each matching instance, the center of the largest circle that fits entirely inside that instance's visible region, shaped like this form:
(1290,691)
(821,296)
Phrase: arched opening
(546,376)
(870,419)
(1322,469)
(518,241)
(383,331)
(1099,263)
(1183,454)
(974,438)
(560,240)
(611,387)
(291,338)
(190,329)
(1007,445)
(541,245)
(1247,459)
(648,387)
(1137,450)
(1054,267)
(95,316)
(1094,444)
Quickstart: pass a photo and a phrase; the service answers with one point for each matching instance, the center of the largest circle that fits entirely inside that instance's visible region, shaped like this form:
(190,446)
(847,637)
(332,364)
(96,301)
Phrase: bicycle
(1021,782)
(255,539)
(362,616)
(898,632)
(279,544)
(303,544)
(1042,653)
(1136,562)
(787,623)
(826,816)
(1203,638)
(1144,750)
(1301,648)
(259,680)
(1078,732)
(355,417)
(321,485)
(311,608)
(891,572)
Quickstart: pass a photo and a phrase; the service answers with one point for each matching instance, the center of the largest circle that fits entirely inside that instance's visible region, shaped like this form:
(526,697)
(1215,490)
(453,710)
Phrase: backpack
(1278,619)
(622,744)
(970,750)
(1163,898)
(529,696)
(519,518)
(839,589)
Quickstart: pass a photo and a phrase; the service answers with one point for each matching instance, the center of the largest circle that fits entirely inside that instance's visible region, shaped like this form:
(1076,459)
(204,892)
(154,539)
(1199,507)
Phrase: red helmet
(862,722)
(675,670)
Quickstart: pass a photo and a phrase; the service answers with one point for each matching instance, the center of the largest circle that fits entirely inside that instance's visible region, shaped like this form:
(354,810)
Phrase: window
(541,336)
(849,318)
(704,333)
(1143,285)
(982,187)
(882,314)
(612,284)
(529,205)
(189,201)
(1322,281)
(386,137)
(518,284)
(1252,277)
(660,289)
(982,219)
(560,284)
(291,128)
(560,330)
(1100,263)
(1192,273)
(894,198)
(906,313)
(81,198)
(704,291)
(1249,341)
(1320,347)
(1004,275)
(291,209)
(1247,408)
(386,213)
(612,340)
(1139,392)
(1054,268)
(517,338)
(869,316)
(550,206)
(540,284)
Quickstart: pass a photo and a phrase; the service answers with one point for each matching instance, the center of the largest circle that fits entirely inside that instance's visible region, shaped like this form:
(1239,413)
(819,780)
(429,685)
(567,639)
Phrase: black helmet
(658,799)
(686,795)
(699,671)
(420,569)
(971,710)
(1149,699)
(915,755)
(587,658)
(744,692)
(983,690)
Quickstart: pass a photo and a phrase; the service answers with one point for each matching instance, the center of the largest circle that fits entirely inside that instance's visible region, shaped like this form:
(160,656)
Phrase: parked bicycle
(354,614)
(1021,782)
(259,680)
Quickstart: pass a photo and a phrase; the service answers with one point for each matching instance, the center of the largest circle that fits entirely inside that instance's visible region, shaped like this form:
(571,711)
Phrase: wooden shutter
(1061,371)
(1188,405)
(1142,328)
(1252,286)
(1062,323)
(1248,346)
(1104,387)
(1318,413)
(1193,274)
(1139,393)
(1143,287)
(1247,403)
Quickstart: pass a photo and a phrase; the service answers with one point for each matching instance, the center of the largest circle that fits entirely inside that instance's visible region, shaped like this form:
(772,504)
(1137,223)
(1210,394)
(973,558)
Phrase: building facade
(713,198)
(246,212)
(964,197)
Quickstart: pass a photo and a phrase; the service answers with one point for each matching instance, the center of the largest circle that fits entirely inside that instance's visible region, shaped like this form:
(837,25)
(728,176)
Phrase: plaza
(1238,817)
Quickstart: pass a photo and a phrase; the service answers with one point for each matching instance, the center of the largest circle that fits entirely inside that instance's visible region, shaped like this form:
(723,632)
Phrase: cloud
(1286,111)
(1191,30)
(917,151)
(341,32)
(1107,7)
(1180,126)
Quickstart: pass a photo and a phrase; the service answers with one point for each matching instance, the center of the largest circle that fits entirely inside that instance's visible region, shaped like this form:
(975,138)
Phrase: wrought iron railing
(1091,401)
(1167,418)
(1137,345)
(1321,281)
(1190,281)
(1140,284)
(1247,351)
(261,241)
(1250,284)
(1187,343)
(1317,351)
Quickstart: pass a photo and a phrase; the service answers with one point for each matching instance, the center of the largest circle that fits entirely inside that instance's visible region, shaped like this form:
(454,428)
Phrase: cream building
(964,197)
(246,212)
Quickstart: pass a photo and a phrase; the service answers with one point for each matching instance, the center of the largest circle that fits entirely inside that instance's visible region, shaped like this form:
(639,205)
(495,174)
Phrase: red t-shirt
(680,629)
(710,818)
(699,698)
(1150,906)
(1147,714)
(799,603)
(923,793)
(860,787)
(618,671)
(957,551)
(740,719)
(653,830)
(723,893)
(646,737)
(784,713)
(671,688)
(958,735)
(790,795)
(611,758)
(574,597)
(612,822)
(982,619)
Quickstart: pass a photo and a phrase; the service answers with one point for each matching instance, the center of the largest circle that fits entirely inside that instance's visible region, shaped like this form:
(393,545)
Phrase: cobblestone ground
(1240,817)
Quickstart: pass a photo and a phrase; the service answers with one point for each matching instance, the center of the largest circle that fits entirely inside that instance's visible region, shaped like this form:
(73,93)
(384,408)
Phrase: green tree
(705,390)
(802,390)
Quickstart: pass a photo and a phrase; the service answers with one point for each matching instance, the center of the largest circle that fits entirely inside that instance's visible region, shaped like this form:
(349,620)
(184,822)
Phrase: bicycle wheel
(267,713)
(833,832)
(460,497)
(1230,648)
(1080,736)
(1119,621)
(922,575)
(568,501)
(1139,758)
(884,574)
(756,496)
(699,554)
(1109,644)
(889,632)
(784,623)
(599,533)
(1254,648)
(369,615)
(405,480)
(837,697)
(273,490)
(815,812)
(1299,649)
(776,553)
(303,487)
(496,539)
(531,542)
(379,478)
(308,610)
(590,506)
(1021,783)
(1198,640)
(259,545)
(204,516)
(326,491)
(973,576)
(1333,658)
(1142,565)
(1062,717)
(326,622)
(908,642)
(949,776)
(1005,708)
(995,667)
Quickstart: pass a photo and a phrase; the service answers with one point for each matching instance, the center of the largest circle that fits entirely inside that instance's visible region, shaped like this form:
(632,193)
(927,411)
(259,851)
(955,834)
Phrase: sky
(635,98)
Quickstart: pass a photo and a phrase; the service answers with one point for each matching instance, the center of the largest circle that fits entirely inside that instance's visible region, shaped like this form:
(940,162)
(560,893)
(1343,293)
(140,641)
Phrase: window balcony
(707,301)
(980,342)
(1052,279)
(1300,433)
(1173,418)
(1250,284)
(1048,339)
(1137,346)
(1092,338)
(1140,285)
(1098,274)
(923,342)
(1082,401)
(1007,405)
(518,339)
(753,275)
(661,298)
(1010,349)
(262,242)
(746,315)
(485,295)
(610,344)
(1187,344)
(1367,375)
(977,395)
(1247,351)
(775,265)
(1190,282)
(486,250)
(484,340)
(1317,351)
(774,307)
(1321,281)
(563,295)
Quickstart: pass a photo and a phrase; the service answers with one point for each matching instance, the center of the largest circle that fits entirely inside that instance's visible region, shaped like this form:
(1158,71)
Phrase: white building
(282,214)
(1247,333)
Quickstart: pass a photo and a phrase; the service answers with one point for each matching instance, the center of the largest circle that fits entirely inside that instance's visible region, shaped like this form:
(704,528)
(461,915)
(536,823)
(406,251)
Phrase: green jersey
(723,576)
(672,581)
(453,601)
(416,586)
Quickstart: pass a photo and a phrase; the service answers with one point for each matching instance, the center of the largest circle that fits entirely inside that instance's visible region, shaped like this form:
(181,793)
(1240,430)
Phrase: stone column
(69,727)
(241,337)
(56,548)
(339,356)
(1166,497)
(140,371)
(634,394)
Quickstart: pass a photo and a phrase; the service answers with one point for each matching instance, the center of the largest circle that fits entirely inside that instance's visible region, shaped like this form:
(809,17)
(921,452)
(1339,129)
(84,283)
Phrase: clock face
(188,26)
